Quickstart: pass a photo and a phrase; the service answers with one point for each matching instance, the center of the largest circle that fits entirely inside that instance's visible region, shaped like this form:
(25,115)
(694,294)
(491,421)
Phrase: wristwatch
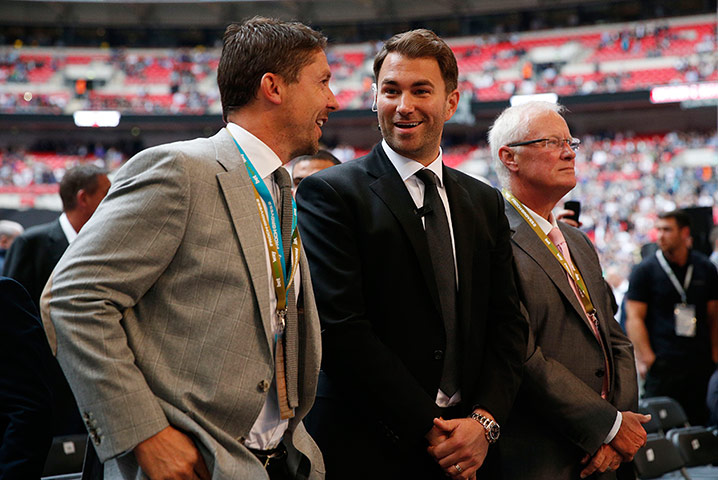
(493,431)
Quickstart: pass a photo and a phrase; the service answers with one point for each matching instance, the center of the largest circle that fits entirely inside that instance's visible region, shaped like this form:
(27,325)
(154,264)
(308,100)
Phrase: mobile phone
(575,207)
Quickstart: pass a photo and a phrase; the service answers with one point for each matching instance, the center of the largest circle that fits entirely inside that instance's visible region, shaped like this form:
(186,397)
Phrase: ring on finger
(458,468)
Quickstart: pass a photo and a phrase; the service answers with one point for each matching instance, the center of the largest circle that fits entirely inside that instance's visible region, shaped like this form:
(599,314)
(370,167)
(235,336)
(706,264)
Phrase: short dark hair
(82,177)
(682,218)
(422,43)
(320,155)
(261,45)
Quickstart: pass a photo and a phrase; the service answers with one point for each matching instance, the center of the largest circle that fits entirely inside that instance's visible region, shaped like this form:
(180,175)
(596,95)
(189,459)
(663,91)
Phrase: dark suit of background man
(25,386)
(676,353)
(397,352)
(164,312)
(35,253)
(572,415)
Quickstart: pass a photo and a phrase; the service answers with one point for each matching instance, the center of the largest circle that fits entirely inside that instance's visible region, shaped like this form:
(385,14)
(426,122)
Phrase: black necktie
(281,177)
(438,237)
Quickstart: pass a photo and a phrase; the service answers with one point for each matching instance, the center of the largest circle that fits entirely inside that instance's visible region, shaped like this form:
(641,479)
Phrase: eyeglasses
(553,142)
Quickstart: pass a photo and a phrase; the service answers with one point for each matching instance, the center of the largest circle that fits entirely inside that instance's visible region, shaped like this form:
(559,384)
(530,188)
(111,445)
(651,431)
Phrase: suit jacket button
(263,386)
(600,372)
(438,354)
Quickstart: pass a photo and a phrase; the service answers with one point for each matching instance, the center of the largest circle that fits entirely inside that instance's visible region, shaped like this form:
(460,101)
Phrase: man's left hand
(465,447)
(631,436)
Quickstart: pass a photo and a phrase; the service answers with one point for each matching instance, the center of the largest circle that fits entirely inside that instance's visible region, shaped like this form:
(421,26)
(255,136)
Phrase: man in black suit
(411,266)
(34,254)
(26,367)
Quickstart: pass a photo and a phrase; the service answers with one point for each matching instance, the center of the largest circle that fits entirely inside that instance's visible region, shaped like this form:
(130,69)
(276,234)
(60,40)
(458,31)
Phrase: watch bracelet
(484,422)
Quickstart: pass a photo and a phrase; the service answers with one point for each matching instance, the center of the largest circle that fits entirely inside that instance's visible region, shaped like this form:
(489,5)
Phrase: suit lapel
(461,212)
(239,194)
(527,240)
(389,187)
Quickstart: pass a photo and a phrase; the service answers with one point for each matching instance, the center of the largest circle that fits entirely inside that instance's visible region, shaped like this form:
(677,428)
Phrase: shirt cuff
(614,430)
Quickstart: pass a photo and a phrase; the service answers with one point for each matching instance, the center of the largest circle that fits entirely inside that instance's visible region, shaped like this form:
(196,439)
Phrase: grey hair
(512,125)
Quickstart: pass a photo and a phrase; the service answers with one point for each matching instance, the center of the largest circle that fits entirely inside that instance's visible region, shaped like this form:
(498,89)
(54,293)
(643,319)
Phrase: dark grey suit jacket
(559,414)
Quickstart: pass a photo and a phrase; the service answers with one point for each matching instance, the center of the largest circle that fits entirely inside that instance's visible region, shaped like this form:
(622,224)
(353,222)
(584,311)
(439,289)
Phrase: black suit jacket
(383,338)
(30,260)
(25,389)
(33,255)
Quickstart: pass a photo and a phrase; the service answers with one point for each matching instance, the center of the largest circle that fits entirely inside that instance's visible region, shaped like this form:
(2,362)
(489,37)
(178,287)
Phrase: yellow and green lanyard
(570,269)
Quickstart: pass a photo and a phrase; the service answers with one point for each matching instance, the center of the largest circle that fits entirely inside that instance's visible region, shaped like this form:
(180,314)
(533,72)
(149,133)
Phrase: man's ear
(452,102)
(507,157)
(81,197)
(271,87)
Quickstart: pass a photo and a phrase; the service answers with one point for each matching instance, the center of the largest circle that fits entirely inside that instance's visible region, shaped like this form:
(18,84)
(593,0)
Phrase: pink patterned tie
(557,238)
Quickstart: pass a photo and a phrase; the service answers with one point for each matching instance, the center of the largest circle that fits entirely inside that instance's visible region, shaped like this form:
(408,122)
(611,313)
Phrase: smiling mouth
(406,124)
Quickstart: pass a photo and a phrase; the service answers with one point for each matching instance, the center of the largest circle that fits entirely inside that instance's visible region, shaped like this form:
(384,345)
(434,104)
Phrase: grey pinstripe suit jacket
(559,414)
(159,315)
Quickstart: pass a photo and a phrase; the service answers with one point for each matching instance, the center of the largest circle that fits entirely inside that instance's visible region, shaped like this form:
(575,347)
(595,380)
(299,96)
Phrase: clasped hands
(459,446)
(628,440)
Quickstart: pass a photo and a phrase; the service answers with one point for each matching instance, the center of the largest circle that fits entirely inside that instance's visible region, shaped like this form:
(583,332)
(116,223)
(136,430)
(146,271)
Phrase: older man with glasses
(573,414)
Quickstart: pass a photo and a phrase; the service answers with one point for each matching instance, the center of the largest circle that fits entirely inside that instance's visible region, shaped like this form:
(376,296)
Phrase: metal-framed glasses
(552,142)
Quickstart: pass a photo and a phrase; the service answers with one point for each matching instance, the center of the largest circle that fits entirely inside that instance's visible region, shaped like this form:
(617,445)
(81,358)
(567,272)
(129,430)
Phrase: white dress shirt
(269,428)
(67,228)
(407,169)
(546,226)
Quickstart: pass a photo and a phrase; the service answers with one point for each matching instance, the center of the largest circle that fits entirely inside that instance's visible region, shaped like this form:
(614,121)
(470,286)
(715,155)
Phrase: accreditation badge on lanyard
(684,315)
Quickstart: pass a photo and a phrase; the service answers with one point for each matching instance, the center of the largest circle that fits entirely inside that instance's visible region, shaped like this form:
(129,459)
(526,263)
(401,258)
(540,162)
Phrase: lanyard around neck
(272,234)
(681,289)
(568,267)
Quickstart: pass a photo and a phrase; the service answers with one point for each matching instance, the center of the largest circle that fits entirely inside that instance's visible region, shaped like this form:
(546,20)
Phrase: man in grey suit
(186,328)
(572,416)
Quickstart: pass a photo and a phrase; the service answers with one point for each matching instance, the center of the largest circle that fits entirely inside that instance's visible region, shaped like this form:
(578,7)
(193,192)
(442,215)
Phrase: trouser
(684,380)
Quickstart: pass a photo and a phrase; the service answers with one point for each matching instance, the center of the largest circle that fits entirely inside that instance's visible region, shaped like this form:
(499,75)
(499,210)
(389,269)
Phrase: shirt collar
(263,158)
(408,167)
(67,228)
(545,225)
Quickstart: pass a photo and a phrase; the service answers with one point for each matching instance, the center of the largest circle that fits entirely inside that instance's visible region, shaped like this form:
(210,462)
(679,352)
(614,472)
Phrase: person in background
(26,363)
(35,253)
(306,165)
(574,414)
(672,318)
(189,335)
(9,231)
(422,335)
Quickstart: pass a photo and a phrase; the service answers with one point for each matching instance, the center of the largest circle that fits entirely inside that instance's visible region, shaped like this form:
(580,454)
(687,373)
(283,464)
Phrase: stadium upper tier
(579,61)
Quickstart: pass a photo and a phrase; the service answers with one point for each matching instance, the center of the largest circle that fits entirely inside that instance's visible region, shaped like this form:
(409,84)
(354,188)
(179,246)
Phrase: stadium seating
(578,61)
(668,412)
(658,459)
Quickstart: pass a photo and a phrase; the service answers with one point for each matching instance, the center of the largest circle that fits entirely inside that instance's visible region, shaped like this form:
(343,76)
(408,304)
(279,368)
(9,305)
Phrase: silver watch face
(494,431)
